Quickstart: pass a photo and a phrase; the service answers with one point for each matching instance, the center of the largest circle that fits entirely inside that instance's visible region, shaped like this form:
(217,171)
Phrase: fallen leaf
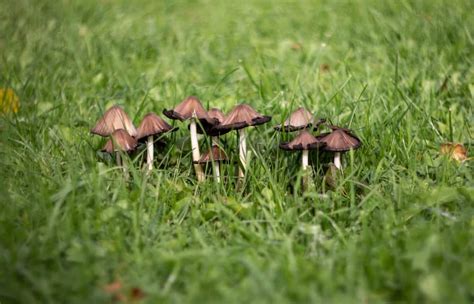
(9,101)
(324,68)
(136,294)
(113,287)
(454,150)
(116,290)
(296,46)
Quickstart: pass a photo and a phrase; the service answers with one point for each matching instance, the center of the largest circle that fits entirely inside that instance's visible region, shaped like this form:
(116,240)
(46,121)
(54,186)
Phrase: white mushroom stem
(305,159)
(149,152)
(195,150)
(337,160)
(242,152)
(216,169)
(215,164)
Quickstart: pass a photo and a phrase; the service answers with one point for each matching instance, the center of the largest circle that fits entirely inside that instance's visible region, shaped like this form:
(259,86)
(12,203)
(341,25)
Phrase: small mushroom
(215,156)
(120,141)
(339,140)
(152,125)
(216,114)
(191,109)
(305,141)
(298,120)
(218,117)
(114,118)
(239,118)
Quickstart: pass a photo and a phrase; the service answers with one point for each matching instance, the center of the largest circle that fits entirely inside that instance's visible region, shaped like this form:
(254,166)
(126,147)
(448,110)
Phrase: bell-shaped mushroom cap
(216,114)
(120,141)
(304,141)
(299,119)
(340,140)
(214,154)
(152,124)
(114,118)
(242,116)
(218,117)
(186,109)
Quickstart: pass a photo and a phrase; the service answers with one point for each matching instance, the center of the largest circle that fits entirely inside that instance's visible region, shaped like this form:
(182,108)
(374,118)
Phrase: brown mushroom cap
(340,140)
(218,117)
(120,141)
(214,154)
(114,118)
(304,141)
(242,116)
(299,119)
(186,109)
(216,114)
(153,124)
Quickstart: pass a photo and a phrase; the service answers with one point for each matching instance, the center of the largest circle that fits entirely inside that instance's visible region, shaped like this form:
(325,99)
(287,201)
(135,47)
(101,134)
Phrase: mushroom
(216,114)
(152,125)
(219,117)
(239,118)
(305,141)
(299,119)
(339,140)
(120,141)
(215,155)
(191,109)
(114,118)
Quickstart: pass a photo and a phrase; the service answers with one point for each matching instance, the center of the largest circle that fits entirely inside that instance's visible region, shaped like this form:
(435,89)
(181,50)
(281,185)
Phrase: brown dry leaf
(324,68)
(454,150)
(113,287)
(116,290)
(9,101)
(136,294)
(296,46)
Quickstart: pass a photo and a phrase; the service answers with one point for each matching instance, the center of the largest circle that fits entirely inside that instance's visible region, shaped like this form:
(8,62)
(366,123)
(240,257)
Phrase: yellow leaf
(454,150)
(9,102)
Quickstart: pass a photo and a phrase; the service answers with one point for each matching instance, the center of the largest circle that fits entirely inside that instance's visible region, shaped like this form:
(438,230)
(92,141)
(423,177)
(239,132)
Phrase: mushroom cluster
(124,137)
(338,141)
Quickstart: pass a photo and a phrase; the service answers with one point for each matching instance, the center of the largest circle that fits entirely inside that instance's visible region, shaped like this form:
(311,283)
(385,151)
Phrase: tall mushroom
(215,156)
(191,109)
(152,125)
(338,141)
(239,118)
(218,117)
(305,141)
(120,141)
(113,119)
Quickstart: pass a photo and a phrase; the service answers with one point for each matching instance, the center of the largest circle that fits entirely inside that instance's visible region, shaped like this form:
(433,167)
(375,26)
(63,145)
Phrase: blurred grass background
(398,227)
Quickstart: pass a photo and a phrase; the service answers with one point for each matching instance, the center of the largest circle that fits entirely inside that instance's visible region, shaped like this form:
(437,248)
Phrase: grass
(398,227)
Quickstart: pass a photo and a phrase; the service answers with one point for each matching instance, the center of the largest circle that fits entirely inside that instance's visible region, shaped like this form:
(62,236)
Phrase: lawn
(396,225)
